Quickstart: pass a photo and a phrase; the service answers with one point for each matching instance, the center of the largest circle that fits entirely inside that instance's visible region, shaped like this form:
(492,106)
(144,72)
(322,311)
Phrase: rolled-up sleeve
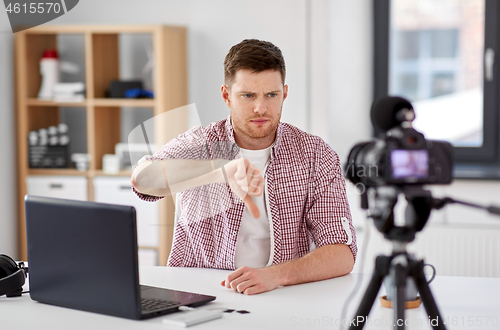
(329,217)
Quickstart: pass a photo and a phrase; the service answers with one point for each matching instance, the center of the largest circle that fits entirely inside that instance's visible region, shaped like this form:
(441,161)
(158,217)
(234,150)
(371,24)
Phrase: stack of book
(69,92)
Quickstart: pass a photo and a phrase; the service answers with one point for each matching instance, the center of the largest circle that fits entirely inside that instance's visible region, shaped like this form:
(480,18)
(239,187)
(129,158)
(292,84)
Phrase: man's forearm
(168,177)
(323,263)
(215,176)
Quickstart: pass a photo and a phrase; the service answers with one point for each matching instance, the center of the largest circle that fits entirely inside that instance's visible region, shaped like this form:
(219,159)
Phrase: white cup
(110,164)
(411,291)
(81,161)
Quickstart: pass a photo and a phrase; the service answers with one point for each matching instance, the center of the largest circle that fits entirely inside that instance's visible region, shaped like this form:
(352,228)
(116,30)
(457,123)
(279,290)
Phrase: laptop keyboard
(152,305)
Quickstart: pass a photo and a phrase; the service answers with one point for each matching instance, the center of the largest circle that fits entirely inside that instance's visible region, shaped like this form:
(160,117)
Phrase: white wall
(349,71)
(8,215)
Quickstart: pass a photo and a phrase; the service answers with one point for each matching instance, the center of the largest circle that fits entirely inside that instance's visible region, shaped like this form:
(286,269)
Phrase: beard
(253,131)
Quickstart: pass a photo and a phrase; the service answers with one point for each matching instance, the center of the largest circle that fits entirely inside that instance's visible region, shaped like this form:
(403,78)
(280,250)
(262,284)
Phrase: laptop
(83,255)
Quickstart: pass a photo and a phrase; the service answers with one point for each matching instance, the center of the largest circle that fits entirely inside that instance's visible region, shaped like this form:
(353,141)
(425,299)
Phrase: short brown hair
(255,55)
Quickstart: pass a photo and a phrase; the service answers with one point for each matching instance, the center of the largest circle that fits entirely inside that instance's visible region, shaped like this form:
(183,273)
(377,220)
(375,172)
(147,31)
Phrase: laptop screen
(83,255)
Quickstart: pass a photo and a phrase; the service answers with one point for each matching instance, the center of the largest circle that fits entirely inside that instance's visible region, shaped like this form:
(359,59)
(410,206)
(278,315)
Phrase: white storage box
(118,190)
(67,187)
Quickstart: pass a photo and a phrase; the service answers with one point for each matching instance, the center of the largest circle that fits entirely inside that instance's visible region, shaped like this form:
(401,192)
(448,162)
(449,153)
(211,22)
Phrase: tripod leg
(381,269)
(400,275)
(436,321)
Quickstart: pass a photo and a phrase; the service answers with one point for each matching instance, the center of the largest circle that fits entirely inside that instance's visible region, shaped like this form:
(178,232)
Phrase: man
(290,182)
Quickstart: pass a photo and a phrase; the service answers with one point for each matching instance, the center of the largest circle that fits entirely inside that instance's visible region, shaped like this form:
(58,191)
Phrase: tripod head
(380,203)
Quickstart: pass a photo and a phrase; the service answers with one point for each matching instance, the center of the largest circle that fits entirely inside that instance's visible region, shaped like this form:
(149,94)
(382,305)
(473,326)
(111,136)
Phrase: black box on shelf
(117,88)
(48,156)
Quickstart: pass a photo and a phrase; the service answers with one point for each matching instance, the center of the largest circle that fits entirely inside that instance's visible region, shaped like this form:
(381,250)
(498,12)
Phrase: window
(435,54)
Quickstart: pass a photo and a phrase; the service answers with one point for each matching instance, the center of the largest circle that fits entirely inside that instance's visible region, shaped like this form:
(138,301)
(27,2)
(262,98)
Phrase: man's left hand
(252,280)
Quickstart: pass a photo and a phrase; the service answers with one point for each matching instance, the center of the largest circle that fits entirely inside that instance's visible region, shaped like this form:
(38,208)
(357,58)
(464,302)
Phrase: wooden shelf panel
(155,248)
(106,133)
(124,173)
(56,171)
(35,45)
(42,117)
(106,62)
(71,29)
(100,102)
(49,103)
(74,172)
(139,103)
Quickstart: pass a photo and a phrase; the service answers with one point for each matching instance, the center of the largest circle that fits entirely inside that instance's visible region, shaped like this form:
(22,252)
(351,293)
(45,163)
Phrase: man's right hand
(246,182)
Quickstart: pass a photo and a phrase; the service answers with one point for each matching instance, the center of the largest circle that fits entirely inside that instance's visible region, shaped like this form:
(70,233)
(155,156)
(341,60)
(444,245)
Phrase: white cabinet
(67,187)
(118,190)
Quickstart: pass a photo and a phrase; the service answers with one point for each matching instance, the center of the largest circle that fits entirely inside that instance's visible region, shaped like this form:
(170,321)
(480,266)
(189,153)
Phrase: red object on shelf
(50,53)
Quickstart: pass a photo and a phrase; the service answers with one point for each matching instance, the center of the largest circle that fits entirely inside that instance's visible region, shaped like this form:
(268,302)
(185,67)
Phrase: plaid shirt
(304,185)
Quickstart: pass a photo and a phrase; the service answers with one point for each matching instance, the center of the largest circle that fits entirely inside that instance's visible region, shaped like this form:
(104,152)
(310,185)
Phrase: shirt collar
(279,137)
(229,129)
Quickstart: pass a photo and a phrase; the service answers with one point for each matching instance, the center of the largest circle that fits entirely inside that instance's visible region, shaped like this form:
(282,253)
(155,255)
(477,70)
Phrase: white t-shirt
(253,244)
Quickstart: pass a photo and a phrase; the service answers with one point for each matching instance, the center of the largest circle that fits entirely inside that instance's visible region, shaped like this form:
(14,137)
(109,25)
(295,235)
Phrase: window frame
(470,162)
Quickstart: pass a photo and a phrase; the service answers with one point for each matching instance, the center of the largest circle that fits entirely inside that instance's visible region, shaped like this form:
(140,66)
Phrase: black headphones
(12,276)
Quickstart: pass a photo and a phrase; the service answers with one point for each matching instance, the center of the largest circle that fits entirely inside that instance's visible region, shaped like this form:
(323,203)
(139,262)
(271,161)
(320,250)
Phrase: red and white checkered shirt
(305,187)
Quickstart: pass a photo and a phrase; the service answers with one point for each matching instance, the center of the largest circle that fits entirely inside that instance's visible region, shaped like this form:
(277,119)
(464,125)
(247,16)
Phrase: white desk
(307,306)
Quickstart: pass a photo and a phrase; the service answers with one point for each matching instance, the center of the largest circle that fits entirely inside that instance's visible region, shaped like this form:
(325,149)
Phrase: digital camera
(402,156)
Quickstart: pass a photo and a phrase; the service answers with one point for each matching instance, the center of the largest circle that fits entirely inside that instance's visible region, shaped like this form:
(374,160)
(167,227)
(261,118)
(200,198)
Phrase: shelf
(56,171)
(49,103)
(101,102)
(155,248)
(139,103)
(75,172)
(98,123)
(112,29)
(125,173)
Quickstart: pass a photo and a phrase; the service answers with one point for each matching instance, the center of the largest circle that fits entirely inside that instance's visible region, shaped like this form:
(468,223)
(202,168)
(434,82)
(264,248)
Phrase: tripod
(399,265)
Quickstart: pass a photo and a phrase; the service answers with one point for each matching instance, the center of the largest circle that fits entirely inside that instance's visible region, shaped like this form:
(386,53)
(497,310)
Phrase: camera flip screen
(409,164)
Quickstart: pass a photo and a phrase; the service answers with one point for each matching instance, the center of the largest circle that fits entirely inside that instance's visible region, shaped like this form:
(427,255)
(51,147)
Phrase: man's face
(256,101)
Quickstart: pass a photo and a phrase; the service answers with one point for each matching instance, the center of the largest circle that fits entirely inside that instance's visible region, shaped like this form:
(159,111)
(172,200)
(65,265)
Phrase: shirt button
(235,233)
